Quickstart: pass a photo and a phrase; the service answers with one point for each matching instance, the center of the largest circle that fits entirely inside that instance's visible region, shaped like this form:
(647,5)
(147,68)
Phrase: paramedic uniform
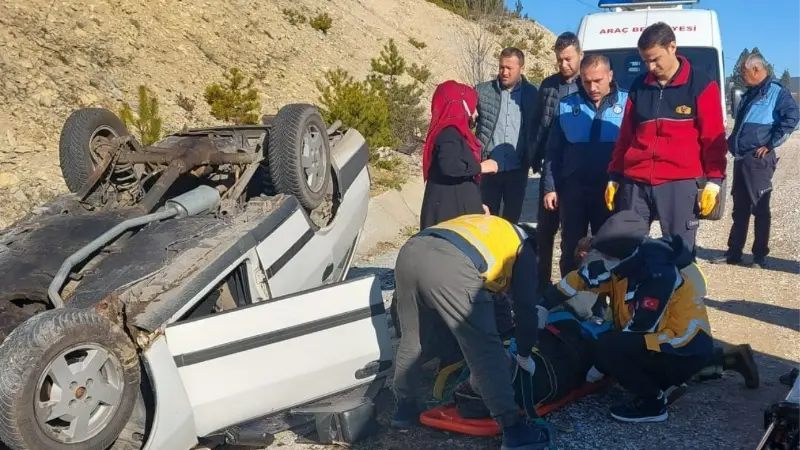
(662,333)
(448,272)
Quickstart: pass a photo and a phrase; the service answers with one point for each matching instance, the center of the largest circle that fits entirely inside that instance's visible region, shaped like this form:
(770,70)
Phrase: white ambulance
(615,33)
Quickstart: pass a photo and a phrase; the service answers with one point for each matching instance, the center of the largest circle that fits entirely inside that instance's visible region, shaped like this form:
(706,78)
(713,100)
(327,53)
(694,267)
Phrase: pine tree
(786,79)
(518,7)
(235,101)
(147,121)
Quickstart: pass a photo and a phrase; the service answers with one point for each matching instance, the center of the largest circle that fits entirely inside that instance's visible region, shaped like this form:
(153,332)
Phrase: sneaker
(740,359)
(673,393)
(725,259)
(652,409)
(525,435)
(405,416)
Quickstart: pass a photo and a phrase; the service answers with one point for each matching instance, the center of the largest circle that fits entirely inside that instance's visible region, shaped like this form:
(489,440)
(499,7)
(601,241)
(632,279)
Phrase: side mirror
(736,101)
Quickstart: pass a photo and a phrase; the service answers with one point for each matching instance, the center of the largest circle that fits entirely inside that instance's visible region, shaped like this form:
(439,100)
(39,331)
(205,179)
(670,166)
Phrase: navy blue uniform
(767,117)
(579,148)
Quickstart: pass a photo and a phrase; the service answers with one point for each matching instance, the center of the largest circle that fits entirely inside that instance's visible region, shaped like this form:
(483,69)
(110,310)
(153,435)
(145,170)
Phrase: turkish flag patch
(650,303)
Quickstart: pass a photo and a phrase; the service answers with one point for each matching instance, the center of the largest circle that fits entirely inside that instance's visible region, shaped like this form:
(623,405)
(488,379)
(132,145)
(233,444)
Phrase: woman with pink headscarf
(451,157)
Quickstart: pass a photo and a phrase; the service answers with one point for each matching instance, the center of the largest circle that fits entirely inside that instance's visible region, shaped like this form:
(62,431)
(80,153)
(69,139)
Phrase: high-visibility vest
(491,242)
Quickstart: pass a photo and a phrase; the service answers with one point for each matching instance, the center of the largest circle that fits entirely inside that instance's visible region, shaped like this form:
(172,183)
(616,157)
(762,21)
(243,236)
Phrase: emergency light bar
(635,4)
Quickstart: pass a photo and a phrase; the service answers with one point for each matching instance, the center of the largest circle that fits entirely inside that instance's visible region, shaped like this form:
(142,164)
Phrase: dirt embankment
(57,56)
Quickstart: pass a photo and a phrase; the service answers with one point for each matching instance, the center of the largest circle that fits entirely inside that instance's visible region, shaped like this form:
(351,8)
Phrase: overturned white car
(185,288)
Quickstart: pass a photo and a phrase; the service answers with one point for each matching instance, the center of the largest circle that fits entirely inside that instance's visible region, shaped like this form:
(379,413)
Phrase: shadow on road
(385,275)
(764,312)
(773,264)
(720,413)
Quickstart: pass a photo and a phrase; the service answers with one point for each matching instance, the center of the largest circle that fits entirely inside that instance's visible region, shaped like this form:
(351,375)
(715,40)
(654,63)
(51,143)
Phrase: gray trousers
(435,282)
(673,203)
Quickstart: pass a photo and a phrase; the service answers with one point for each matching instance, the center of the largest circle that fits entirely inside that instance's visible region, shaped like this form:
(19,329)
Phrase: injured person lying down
(651,336)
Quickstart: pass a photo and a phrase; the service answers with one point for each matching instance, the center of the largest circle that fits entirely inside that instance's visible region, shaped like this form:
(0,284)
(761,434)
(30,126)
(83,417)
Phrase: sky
(771,25)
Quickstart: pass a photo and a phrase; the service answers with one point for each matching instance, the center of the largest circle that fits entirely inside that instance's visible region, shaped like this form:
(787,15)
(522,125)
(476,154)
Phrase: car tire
(298,155)
(75,148)
(53,346)
(719,209)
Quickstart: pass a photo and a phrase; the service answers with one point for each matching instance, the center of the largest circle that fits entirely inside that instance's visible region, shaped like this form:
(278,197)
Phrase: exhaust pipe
(196,201)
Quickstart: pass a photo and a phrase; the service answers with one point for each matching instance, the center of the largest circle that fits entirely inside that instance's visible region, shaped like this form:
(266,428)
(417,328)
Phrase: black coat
(451,190)
(553,89)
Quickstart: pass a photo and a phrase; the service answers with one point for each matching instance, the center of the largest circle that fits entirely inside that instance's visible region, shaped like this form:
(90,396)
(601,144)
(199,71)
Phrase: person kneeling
(662,336)
(447,273)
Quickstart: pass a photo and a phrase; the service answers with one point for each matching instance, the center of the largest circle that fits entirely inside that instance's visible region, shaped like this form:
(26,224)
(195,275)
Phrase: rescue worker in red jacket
(671,136)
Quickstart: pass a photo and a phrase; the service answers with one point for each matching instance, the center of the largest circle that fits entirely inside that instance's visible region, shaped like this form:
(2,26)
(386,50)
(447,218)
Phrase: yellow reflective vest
(684,327)
(491,242)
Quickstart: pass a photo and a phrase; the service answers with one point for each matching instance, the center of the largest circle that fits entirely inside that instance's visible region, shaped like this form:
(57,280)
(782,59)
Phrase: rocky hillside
(56,56)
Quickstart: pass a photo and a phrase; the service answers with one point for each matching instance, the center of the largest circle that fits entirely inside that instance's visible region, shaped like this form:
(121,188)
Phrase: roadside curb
(390,213)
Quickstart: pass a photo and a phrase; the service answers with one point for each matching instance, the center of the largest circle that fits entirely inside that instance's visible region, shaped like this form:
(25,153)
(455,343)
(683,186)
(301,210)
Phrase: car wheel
(298,155)
(69,381)
(83,131)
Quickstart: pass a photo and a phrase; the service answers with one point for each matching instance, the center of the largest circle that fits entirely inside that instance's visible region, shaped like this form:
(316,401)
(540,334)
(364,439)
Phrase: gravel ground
(760,307)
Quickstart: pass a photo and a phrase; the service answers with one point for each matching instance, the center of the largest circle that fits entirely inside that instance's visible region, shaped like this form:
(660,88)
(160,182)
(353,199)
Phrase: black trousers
(624,357)
(673,203)
(743,208)
(547,223)
(506,188)
(580,208)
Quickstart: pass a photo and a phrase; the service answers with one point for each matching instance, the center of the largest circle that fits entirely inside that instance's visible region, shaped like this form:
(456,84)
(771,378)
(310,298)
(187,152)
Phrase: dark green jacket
(489,109)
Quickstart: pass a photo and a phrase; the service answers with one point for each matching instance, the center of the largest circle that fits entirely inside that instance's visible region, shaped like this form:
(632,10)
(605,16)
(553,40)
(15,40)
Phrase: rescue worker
(552,90)
(662,335)
(766,119)
(448,272)
(672,135)
(582,136)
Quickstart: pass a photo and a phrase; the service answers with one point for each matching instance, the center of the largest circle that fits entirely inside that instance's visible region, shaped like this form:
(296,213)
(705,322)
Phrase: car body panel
(173,420)
(158,273)
(250,362)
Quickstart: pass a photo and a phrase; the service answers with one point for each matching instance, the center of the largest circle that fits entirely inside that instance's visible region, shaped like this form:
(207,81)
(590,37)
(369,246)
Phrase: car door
(294,256)
(283,352)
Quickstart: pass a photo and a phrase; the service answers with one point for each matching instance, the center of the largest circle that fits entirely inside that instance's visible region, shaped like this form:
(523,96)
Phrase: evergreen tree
(518,7)
(786,79)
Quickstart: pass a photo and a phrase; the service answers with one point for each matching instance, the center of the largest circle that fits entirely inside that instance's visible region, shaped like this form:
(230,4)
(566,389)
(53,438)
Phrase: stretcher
(446,417)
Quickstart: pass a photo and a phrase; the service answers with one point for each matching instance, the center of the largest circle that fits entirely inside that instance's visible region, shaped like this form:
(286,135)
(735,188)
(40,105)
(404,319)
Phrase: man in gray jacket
(505,128)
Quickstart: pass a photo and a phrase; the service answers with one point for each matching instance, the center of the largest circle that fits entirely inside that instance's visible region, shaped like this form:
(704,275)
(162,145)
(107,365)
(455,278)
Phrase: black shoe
(759,262)
(740,359)
(525,435)
(788,378)
(652,409)
(726,259)
(673,393)
(405,416)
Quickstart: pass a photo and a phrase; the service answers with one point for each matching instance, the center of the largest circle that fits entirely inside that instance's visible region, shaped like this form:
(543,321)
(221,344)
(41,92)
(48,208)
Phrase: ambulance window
(628,65)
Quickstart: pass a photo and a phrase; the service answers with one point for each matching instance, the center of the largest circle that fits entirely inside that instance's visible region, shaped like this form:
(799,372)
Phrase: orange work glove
(611,192)
(708,198)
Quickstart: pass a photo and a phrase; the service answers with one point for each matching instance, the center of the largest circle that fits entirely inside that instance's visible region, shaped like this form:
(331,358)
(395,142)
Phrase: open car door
(267,357)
